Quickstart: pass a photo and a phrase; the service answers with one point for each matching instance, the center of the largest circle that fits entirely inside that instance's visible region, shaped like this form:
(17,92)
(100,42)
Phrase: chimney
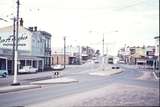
(35,28)
(21,22)
(31,29)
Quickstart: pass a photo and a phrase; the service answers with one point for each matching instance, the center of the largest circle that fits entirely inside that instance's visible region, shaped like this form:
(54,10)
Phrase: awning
(25,58)
(29,58)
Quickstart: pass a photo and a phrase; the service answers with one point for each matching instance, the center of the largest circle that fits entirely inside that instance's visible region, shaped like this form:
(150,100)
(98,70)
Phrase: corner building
(34,47)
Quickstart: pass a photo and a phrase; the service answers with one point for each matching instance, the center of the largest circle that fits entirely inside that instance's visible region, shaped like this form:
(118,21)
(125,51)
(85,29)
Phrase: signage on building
(6,41)
(150,53)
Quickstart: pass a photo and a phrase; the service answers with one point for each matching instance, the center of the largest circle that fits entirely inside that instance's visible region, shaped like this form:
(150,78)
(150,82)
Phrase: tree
(97,52)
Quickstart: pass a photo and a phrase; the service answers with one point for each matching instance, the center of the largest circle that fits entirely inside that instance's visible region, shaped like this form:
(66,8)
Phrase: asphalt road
(86,83)
(27,78)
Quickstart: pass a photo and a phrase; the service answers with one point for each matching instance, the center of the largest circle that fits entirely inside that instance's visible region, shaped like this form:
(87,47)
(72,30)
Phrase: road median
(60,80)
(106,71)
(7,89)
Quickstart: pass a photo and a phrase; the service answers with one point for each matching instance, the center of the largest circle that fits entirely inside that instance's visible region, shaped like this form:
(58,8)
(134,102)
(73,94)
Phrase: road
(26,78)
(86,83)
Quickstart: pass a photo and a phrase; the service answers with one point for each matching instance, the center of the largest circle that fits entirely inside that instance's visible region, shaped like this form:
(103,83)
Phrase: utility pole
(103,53)
(106,50)
(79,55)
(103,44)
(14,20)
(15,82)
(64,52)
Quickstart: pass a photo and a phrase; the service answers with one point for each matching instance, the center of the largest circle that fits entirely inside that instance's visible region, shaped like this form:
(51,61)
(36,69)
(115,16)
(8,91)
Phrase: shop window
(22,63)
(2,64)
(35,64)
(28,62)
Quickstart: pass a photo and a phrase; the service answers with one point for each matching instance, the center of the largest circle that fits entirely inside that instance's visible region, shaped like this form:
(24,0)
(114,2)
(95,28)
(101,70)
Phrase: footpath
(36,84)
(155,72)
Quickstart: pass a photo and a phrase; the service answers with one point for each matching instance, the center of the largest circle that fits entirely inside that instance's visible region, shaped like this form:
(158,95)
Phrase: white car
(96,61)
(28,69)
(58,67)
(121,62)
(90,61)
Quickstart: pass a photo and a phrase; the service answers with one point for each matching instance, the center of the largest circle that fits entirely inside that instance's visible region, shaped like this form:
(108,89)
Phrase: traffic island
(61,80)
(106,72)
(7,89)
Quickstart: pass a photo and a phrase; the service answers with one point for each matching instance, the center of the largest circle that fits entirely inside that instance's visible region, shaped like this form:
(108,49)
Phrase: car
(58,67)
(121,62)
(96,61)
(3,73)
(28,69)
(90,61)
(115,67)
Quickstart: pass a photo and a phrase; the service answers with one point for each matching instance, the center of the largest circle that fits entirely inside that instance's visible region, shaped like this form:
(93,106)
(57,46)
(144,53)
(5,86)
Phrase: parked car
(58,67)
(96,61)
(90,61)
(3,73)
(121,62)
(28,69)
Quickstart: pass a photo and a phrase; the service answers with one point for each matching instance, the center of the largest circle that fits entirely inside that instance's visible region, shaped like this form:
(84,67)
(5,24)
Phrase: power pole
(79,55)
(15,82)
(103,53)
(14,20)
(64,52)
(103,44)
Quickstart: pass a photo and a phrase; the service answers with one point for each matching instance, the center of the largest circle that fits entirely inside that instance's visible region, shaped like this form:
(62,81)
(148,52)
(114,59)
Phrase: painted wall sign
(6,40)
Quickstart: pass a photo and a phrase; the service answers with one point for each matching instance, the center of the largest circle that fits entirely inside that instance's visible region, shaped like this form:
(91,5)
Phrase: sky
(85,22)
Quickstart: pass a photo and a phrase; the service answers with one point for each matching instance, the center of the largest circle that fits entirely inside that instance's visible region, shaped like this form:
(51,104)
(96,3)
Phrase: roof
(45,33)
(21,28)
(9,57)
(10,29)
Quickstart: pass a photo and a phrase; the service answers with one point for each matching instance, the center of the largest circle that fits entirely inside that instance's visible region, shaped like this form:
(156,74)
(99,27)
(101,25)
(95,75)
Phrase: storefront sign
(6,41)
(150,53)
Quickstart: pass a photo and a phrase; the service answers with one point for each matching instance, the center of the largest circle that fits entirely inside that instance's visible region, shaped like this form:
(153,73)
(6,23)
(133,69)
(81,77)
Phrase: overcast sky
(83,22)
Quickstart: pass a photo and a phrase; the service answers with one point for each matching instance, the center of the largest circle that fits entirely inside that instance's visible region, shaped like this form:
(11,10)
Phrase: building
(58,58)
(132,55)
(87,53)
(157,51)
(34,47)
(138,57)
(121,54)
(72,55)
(150,55)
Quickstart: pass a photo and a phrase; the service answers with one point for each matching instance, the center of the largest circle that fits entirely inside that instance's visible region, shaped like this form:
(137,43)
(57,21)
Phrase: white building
(157,51)
(34,47)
